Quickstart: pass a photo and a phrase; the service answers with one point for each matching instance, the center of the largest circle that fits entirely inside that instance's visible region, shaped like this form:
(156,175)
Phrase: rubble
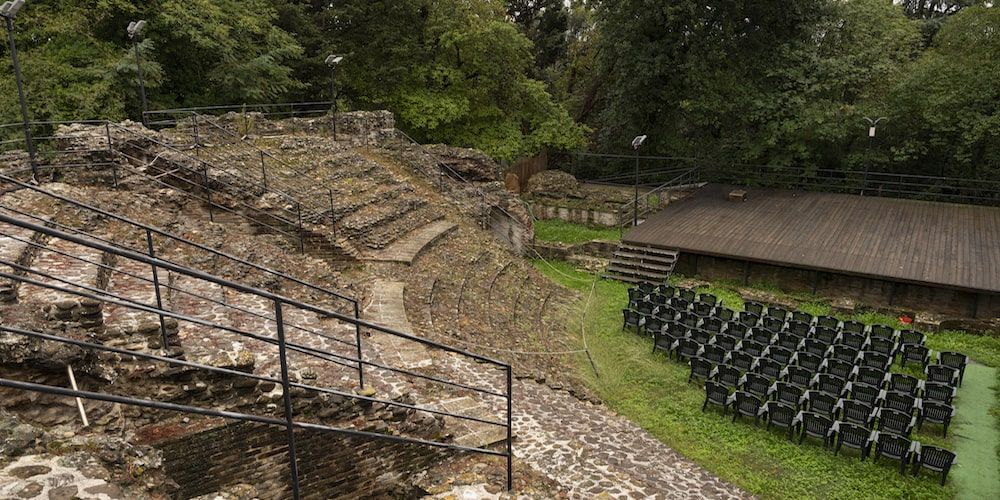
(554,184)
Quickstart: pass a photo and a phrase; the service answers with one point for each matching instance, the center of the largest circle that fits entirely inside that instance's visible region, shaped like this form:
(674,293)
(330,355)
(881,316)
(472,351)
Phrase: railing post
(330,192)
(156,287)
(208,191)
(510,428)
(263,170)
(302,234)
(287,397)
(357,336)
(111,154)
(197,138)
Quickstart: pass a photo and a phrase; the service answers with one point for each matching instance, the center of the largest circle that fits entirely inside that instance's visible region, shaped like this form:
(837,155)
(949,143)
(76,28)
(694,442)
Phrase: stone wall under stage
(862,290)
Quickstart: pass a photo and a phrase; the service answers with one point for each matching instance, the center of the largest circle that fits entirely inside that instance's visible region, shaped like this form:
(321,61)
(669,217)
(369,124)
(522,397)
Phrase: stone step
(368,219)
(635,275)
(408,247)
(387,235)
(643,257)
(14,247)
(72,263)
(467,432)
(129,281)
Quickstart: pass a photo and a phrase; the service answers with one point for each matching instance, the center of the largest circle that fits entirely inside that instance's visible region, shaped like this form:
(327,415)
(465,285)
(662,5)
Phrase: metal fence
(658,170)
(173,117)
(106,157)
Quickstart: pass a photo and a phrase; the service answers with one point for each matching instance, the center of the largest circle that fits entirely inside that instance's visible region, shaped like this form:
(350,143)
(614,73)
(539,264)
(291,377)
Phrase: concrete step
(648,251)
(638,273)
(619,262)
(635,264)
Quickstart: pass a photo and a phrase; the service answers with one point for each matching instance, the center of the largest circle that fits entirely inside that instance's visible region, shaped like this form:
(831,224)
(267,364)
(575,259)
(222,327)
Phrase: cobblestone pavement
(586,448)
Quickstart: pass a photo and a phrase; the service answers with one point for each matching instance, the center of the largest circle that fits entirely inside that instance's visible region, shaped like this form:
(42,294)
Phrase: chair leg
(946,424)
(704,405)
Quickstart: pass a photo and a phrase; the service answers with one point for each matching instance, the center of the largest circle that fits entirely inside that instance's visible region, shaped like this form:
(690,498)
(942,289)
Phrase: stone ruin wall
(330,464)
(359,128)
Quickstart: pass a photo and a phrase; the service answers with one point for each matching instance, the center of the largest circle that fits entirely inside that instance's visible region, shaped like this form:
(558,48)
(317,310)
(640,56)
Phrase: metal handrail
(170,266)
(204,163)
(644,199)
(100,265)
(159,263)
(279,301)
(179,239)
(237,106)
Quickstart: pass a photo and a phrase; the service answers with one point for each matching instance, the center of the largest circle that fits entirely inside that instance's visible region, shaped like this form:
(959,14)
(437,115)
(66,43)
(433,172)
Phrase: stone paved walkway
(387,309)
(405,249)
(588,449)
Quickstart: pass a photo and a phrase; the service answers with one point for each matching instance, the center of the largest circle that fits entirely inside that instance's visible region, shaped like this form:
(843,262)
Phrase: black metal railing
(26,275)
(654,170)
(867,183)
(654,199)
(162,164)
(310,196)
(172,117)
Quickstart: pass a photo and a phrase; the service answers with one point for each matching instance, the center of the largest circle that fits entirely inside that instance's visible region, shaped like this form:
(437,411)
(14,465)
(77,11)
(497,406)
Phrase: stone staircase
(636,263)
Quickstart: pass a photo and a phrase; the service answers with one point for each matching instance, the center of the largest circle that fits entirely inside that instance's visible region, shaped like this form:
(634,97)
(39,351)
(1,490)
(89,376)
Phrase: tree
(546,24)
(78,62)
(947,107)
(453,71)
(932,13)
(690,73)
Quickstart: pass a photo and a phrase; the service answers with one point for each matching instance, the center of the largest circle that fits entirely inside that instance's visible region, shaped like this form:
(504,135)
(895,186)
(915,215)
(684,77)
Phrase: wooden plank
(915,241)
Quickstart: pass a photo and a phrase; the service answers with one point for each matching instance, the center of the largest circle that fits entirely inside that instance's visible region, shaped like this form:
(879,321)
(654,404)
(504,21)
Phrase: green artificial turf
(653,391)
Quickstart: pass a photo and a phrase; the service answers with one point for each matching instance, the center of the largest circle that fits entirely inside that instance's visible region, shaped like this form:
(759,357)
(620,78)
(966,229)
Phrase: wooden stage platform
(929,243)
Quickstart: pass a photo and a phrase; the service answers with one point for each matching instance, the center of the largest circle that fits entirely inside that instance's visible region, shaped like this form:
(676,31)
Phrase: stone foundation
(330,465)
(862,290)
(578,215)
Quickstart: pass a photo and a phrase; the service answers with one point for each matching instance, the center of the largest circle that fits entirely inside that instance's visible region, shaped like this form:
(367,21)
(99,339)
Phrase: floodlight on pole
(872,126)
(636,144)
(134,32)
(9,11)
(333,60)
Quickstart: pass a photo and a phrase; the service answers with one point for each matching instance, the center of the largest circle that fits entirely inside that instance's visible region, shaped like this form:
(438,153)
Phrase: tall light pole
(872,126)
(333,61)
(9,11)
(636,144)
(134,32)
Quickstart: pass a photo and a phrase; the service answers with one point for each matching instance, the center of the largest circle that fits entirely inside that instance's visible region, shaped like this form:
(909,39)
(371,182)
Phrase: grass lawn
(560,231)
(652,391)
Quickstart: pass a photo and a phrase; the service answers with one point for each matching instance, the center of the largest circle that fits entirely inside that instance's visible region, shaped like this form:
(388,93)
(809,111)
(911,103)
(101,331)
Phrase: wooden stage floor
(940,244)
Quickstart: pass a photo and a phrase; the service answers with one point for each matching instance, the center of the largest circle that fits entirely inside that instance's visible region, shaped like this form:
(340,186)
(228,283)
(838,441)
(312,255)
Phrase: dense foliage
(768,81)
(790,83)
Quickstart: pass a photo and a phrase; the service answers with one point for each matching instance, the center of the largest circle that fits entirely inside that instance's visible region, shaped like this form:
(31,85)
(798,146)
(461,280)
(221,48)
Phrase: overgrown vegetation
(769,81)
(560,231)
(653,392)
